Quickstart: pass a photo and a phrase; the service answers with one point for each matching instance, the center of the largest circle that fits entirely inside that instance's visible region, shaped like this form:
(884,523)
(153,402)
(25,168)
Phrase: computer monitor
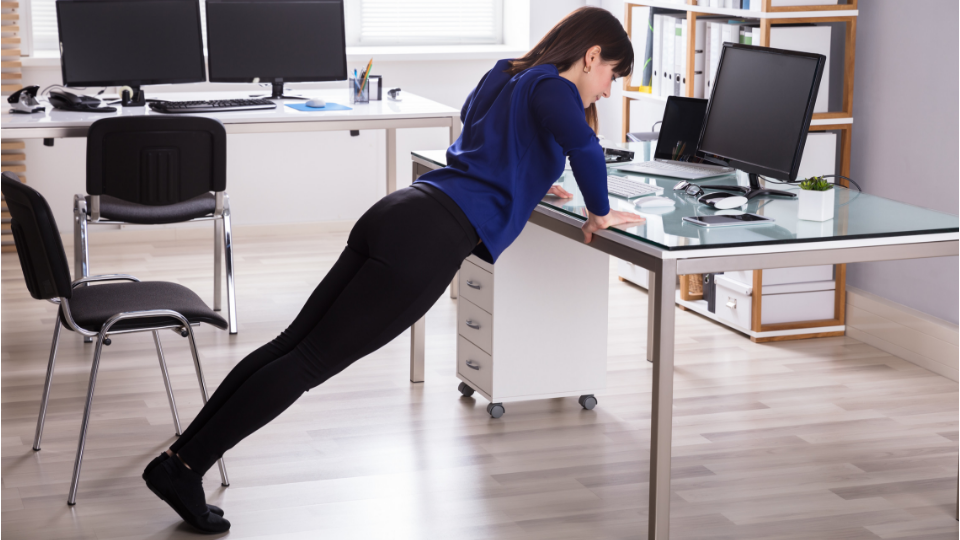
(130,42)
(759,112)
(276,41)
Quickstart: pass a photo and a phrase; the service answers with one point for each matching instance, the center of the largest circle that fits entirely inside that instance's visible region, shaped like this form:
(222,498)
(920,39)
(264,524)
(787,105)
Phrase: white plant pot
(816,205)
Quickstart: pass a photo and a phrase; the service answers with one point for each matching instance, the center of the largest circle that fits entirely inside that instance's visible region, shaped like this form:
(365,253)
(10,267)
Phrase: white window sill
(412,53)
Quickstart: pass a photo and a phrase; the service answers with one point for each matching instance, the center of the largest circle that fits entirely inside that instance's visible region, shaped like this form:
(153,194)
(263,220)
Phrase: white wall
(905,137)
(308,177)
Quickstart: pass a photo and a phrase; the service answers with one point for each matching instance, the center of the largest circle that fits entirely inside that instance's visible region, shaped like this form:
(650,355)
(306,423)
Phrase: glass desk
(865,228)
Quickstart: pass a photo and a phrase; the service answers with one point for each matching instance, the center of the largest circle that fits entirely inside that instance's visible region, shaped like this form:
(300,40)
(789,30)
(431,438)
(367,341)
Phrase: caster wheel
(588,402)
(496,410)
(465,389)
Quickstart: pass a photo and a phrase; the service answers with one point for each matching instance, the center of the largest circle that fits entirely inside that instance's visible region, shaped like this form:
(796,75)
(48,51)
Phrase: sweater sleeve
(559,110)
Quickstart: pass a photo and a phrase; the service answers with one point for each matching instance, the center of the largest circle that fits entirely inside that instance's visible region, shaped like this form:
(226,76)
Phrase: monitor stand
(755,189)
(277,93)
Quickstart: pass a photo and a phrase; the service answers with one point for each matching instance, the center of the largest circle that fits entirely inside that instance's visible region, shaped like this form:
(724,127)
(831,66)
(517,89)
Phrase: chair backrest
(42,259)
(156,160)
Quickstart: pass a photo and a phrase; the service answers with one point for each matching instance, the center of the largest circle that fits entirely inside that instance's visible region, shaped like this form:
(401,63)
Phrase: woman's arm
(560,111)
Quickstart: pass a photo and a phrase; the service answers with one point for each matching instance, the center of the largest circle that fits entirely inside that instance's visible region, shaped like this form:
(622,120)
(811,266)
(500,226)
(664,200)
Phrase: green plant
(816,183)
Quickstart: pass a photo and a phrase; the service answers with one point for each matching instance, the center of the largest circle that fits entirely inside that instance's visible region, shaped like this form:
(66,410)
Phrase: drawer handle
(731,303)
(473,365)
(471,324)
(473,285)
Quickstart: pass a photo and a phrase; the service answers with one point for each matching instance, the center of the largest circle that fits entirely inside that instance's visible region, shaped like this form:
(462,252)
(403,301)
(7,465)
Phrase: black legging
(399,258)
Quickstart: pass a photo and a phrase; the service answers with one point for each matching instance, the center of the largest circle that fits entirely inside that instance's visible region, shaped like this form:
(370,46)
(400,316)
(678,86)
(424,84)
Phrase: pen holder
(357,94)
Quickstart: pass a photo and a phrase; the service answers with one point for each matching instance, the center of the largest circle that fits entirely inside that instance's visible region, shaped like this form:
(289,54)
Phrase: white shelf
(747,13)
(700,307)
(642,96)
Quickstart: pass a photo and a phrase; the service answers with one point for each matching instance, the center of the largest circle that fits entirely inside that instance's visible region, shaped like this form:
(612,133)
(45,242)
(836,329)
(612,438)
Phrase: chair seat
(92,305)
(116,209)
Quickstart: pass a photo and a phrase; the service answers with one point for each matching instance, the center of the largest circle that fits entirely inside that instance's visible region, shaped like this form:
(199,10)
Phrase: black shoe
(182,489)
(160,459)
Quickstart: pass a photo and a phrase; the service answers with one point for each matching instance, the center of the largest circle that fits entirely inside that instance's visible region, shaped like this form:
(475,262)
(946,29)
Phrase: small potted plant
(816,199)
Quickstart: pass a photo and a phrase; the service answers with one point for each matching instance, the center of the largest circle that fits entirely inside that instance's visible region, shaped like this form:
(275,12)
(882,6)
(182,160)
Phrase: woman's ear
(591,58)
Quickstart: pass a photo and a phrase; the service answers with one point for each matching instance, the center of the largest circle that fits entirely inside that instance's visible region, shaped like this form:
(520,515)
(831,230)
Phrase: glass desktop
(857,215)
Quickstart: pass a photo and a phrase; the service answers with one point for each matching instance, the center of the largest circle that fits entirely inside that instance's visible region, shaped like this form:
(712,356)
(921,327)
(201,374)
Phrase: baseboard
(112,234)
(922,339)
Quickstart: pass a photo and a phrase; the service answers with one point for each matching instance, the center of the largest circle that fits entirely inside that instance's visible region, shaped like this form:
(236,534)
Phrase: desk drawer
(475,365)
(476,285)
(475,324)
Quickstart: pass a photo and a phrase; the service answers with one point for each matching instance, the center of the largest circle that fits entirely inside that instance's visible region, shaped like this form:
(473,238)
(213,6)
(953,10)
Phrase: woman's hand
(558,191)
(614,217)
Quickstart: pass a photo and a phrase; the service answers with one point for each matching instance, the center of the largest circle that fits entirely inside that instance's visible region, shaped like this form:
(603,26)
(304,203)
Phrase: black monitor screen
(680,131)
(130,42)
(761,107)
(276,40)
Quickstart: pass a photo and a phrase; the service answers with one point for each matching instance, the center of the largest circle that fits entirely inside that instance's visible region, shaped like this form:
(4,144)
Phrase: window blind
(429,22)
(43,14)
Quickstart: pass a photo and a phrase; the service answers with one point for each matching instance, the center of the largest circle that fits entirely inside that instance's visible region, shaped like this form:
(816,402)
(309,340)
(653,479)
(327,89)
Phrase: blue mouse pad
(329,107)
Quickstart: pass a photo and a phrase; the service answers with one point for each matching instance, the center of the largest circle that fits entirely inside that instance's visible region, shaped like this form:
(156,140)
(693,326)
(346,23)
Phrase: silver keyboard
(621,186)
(689,171)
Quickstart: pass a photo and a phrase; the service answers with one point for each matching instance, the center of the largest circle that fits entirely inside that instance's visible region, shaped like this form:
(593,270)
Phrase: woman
(519,123)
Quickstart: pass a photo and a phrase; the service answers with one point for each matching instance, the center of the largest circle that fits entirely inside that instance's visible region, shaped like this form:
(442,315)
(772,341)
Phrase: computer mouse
(317,103)
(722,201)
(654,202)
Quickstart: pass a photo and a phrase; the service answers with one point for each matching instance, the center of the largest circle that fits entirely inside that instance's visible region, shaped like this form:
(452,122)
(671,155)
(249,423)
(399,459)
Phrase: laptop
(676,155)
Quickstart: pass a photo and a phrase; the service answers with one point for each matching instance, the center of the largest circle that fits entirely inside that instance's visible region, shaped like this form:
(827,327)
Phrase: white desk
(413,112)
(865,228)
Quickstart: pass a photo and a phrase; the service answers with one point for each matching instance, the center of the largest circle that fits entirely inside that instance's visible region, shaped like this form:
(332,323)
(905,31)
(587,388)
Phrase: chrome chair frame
(183,327)
(83,217)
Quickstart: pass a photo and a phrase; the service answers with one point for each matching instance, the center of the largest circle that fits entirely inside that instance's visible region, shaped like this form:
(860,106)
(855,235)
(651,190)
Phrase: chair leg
(166,383)
(72,497)
(47,383)
(231,285)
(81,257)
(224,480)
(217,261)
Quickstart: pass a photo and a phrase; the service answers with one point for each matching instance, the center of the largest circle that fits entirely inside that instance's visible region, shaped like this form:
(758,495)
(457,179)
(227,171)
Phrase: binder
(681,59)
(667,62)
(641,35)
(656,81)
(756,35)
(716,44)
(699,55)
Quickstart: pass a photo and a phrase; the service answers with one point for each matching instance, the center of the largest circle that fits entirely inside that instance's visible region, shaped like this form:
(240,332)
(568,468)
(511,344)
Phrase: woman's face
(597,78)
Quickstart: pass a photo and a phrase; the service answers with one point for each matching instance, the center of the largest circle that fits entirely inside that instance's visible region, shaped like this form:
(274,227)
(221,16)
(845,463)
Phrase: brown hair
(572,37)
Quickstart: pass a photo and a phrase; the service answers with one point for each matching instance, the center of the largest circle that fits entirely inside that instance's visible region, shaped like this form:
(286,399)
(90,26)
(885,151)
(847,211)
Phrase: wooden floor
(821,439)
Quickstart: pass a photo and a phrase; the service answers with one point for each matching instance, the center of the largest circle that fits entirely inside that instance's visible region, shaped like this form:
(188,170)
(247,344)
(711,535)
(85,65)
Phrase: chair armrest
(104,277)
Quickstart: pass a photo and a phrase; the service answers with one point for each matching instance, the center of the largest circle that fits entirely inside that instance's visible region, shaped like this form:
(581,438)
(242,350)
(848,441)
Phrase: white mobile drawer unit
(510,346)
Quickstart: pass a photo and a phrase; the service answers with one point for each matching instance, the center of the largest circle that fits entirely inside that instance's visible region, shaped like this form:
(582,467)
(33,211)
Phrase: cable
(652,128)
(797,182)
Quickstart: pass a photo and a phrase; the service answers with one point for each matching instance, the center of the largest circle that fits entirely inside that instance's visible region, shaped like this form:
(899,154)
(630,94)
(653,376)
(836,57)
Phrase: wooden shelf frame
(841,121)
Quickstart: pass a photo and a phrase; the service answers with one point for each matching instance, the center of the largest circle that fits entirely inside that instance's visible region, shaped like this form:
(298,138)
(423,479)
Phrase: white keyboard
(621,186)
(689,171)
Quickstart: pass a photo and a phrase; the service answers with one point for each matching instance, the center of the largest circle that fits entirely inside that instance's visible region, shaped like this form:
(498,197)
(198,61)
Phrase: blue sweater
(516,131)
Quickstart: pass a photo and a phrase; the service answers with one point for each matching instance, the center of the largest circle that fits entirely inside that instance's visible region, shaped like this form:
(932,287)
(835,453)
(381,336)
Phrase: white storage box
(777,276)
(786,303)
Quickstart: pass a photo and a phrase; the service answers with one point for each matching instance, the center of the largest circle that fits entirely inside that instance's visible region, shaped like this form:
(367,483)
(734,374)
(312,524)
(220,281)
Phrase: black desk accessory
(617,155)
(68,101)
(24,101)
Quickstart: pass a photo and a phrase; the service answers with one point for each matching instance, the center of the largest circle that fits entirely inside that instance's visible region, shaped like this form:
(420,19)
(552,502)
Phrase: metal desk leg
(417,349)
(454,135)
(391,160)
(650,314)
(661,427)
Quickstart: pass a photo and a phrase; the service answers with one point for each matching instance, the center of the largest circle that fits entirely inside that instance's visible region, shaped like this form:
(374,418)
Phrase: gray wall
(905,136)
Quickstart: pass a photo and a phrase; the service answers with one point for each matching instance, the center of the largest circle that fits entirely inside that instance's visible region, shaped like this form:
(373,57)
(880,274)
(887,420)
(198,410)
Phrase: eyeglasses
(693,190)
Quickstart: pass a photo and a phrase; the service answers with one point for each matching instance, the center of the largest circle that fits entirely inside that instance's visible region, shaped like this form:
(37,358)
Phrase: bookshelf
(840,121)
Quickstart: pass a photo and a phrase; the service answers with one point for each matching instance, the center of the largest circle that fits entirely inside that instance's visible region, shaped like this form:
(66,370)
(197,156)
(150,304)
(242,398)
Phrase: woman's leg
(411,247)
(316,306)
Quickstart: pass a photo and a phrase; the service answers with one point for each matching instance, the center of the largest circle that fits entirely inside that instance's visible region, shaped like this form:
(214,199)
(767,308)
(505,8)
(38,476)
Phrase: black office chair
(154,170)
(97,310)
